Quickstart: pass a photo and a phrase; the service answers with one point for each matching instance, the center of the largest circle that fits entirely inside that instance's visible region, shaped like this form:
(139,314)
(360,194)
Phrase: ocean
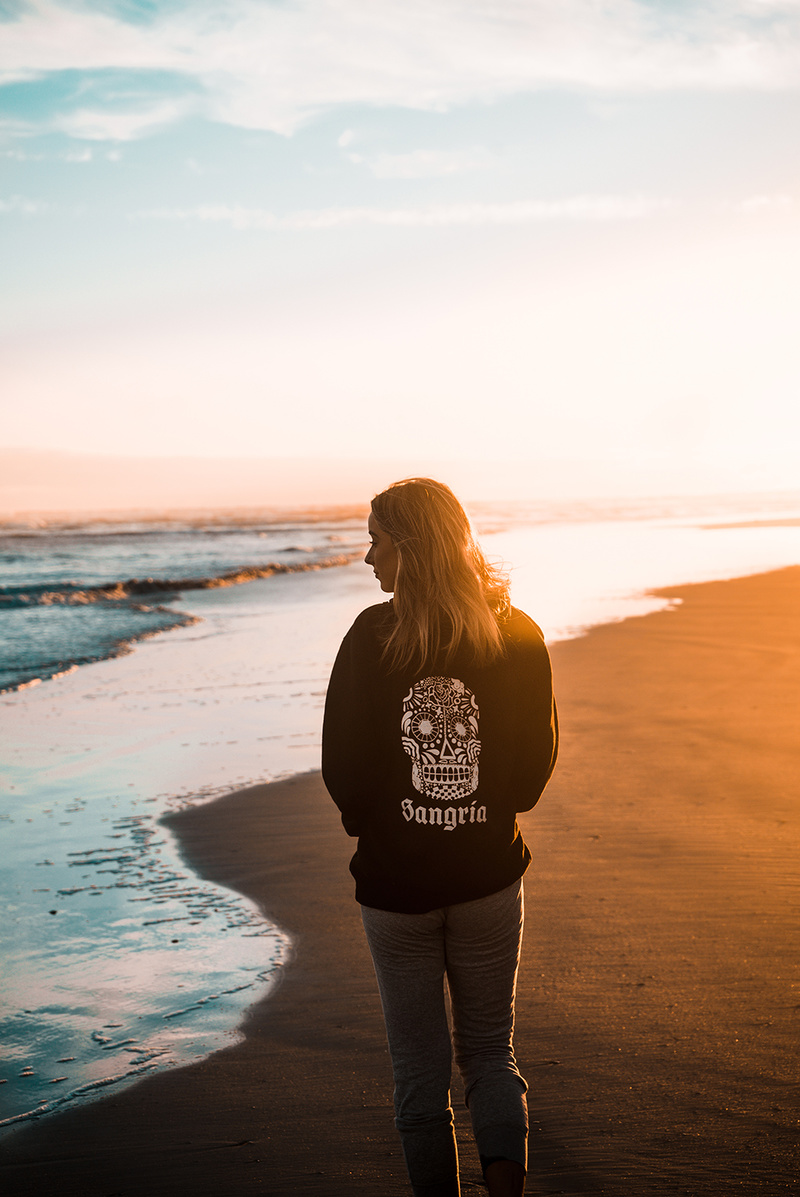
(157,660)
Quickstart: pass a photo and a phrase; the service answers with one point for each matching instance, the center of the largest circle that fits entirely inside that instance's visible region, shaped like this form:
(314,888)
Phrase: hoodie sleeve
(535,716)
(349,739)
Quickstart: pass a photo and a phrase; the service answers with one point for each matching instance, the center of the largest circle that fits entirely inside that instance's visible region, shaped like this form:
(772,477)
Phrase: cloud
(22,156)
(275,66)
(110,124)
(426,164)
(82,155)
(756,204)
(582,207)
(70,155)
(26,207)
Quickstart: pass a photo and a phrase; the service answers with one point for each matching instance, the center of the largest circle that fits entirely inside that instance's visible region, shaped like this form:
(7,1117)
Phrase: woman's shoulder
(524,641)
(371,622)
(520,628)
(375,616)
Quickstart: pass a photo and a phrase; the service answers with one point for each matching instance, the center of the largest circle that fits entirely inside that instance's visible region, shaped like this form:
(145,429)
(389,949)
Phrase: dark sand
(659,999)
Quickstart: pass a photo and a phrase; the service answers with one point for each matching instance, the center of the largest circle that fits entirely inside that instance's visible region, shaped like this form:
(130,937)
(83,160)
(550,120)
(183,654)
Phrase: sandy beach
(659,998)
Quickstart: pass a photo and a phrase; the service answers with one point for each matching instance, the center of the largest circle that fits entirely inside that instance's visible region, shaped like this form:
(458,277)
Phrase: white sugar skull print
(440,734)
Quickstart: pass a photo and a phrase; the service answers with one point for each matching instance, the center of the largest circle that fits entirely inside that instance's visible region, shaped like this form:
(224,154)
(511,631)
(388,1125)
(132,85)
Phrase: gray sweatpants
(476,945)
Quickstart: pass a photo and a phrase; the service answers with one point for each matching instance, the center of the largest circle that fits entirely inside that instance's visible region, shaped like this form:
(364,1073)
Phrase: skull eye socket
(425,726)
(460,731)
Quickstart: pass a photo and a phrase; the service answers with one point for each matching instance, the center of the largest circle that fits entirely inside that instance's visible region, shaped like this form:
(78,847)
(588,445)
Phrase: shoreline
(655,1020)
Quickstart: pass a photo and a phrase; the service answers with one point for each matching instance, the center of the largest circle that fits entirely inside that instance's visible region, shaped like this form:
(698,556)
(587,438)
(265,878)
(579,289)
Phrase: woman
(439,727)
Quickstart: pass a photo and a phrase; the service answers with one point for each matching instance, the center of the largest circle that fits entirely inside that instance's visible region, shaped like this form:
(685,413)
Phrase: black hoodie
(430,766)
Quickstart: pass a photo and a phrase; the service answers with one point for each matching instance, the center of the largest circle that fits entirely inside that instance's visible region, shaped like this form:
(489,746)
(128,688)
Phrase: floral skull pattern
(440,734)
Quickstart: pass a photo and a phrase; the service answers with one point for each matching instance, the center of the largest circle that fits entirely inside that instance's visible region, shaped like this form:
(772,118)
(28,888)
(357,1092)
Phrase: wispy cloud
(25,207)
(760,204)
(582,207)
(80,154)
(109,124)
(274,66)
(427,164)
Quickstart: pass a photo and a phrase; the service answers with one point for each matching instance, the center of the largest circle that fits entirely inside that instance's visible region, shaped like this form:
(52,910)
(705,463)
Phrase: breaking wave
(74,595)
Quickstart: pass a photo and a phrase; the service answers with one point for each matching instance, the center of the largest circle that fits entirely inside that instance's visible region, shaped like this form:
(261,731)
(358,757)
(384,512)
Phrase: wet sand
(659,999)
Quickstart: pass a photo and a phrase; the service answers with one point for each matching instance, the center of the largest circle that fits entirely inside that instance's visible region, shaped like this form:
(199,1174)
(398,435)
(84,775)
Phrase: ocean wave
(23,675)
(77,595)
(87,1090)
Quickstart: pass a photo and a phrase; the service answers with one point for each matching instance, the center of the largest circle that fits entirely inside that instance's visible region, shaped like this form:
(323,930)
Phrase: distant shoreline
(768,523)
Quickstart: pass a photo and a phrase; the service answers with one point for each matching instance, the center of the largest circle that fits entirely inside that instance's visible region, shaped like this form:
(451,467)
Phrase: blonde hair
(446,595)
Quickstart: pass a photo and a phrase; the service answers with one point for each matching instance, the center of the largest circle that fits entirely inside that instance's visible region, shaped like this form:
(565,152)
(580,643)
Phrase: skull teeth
(438,774)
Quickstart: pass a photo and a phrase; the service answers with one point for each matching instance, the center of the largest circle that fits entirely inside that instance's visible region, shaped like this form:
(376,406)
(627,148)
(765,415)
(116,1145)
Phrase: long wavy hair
(447,595)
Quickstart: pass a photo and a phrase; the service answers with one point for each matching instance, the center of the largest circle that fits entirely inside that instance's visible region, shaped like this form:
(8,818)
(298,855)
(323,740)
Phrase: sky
(555,243)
